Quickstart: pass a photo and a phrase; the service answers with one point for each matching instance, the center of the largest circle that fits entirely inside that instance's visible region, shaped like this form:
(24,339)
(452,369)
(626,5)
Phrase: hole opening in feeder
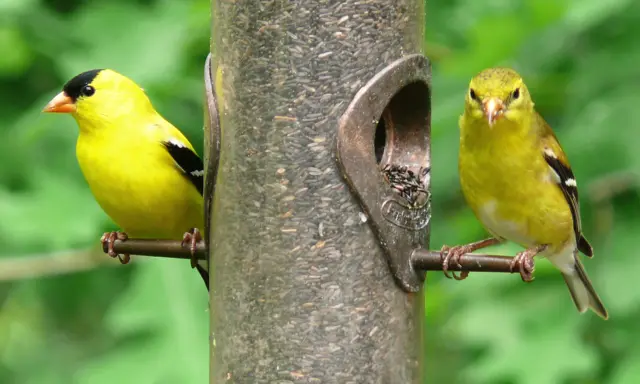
(402,133)
(401,141)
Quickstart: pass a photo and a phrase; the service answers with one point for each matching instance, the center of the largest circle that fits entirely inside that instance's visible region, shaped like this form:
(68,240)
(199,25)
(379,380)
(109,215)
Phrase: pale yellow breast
(137,184)
(510,191)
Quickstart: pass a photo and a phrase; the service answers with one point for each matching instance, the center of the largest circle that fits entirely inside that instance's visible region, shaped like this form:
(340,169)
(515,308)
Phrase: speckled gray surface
(301,290)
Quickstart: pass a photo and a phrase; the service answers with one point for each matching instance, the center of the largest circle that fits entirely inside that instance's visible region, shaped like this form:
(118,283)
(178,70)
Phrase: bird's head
(99,95)
(496,95)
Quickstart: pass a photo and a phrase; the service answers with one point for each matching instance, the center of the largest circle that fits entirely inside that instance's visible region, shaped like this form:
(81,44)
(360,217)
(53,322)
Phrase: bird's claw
(109,238)
(455,254)
(192,237)
(524,261)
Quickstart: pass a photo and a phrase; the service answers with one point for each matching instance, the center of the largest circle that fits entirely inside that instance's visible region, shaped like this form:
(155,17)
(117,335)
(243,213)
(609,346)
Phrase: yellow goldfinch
(141,169)
(518,182)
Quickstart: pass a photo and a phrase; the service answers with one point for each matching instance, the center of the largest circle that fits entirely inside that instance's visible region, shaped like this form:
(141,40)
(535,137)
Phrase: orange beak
(60,104)
(493,109)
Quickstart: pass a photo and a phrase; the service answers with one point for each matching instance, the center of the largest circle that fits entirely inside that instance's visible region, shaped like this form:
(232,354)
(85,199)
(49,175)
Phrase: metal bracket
(386,130)
(211,143)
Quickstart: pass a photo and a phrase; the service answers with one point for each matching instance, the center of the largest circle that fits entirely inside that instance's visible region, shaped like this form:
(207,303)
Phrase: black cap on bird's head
(99,94)
(74,88)
(80,85)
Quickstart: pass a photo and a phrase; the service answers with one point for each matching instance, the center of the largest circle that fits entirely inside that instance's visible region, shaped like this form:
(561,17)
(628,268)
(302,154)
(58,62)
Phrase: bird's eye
(472,94)
(87,90)
(515,94)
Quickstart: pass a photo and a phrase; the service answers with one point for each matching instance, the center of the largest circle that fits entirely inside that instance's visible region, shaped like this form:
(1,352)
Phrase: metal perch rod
(432,261)
(422,259)
(156,248)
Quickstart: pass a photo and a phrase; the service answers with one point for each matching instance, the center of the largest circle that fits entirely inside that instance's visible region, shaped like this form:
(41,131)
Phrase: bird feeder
(301,287)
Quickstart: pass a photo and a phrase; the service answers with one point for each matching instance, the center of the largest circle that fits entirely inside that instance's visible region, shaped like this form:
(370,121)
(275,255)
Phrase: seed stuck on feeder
(410,185)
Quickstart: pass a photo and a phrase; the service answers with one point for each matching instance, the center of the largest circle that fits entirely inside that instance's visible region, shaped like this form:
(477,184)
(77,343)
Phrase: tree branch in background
(73,261)
(606,187)
(51,264)
(601,191)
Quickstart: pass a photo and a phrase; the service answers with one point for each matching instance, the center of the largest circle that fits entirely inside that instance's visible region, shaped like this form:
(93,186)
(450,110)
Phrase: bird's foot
(524,261)
(192,237)
(109,238)
(453,254)
(456,253)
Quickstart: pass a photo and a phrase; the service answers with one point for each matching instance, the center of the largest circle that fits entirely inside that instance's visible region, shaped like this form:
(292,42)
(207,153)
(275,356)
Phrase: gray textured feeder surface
(301,290)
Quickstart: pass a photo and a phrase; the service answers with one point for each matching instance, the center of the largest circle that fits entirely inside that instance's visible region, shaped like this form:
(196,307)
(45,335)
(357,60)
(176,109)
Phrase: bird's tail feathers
(203,270)
(584,246)
(582,292)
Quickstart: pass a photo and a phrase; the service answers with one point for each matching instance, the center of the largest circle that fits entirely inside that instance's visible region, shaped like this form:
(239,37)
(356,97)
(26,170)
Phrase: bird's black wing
(567,183)
(193,169)
(188,161)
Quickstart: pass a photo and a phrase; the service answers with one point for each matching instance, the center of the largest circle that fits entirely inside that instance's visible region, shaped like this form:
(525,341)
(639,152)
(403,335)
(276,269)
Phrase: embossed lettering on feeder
(406,217)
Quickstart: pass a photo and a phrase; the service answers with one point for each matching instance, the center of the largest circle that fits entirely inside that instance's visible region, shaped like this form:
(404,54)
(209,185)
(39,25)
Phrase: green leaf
(153,30)
(16,51)
(521,333)
(628,370)
(168,300)
(32,221)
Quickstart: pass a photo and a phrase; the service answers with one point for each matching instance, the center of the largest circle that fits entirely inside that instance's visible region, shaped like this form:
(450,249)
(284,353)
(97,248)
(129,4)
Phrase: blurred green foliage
(144,323)
(579,58)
